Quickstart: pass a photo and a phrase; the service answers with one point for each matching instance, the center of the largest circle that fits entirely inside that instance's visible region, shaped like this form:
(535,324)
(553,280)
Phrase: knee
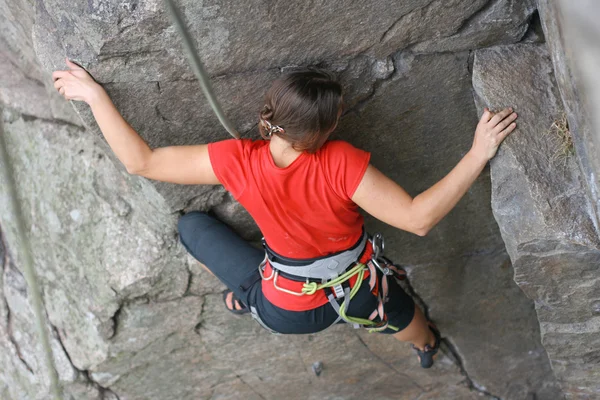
(189,224)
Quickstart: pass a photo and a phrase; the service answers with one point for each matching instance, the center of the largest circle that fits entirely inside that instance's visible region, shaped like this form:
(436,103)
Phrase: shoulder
(230,160)
(234,147)
(341,150)
(344,166)
(337,146)
(237,144)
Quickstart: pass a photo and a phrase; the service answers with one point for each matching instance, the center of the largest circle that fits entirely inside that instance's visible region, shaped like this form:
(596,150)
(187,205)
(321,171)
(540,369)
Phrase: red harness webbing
(304,303)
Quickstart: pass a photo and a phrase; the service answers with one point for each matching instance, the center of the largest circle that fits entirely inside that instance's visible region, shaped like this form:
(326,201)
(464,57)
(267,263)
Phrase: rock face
(498,22)
(546,218)
(572,34)
(131,316)
(430,135)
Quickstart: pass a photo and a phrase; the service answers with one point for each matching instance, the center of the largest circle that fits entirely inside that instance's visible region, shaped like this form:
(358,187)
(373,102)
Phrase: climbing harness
(332,274)
(318,268)
(28,268)
(198,68)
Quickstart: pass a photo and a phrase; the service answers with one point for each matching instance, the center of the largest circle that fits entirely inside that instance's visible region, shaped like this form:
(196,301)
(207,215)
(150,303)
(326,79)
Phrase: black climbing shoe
(238,306)
(426,355)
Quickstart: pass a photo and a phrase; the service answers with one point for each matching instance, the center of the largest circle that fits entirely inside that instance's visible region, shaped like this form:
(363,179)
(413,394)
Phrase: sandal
(238,306)
(426,355)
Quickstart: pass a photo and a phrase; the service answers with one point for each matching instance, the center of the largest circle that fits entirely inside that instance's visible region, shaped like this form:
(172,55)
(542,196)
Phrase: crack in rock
(472,385)
(9,332)
(534,28)
(199,325)
(390,366)
(188,286)
(54,121)
(250,387)
(160,115)
(126,55)
(115,321)
(465,24)
(385,34)
(377,85)
(29,118)
(12,339)
(448,347)
(105,393)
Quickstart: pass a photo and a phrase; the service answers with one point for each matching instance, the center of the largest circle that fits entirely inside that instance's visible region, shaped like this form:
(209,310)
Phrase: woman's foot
(427,354)
(233,304)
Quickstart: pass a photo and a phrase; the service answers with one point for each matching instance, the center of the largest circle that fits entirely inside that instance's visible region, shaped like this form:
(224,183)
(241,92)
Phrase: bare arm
(387,201)
(177,164)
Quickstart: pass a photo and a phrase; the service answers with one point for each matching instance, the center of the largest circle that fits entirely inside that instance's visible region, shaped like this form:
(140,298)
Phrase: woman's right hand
(76,83)
(492,129)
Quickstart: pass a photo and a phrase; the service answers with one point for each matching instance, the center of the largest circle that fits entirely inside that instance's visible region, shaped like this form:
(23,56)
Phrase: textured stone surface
(492,319)
(139,36)
(437,18)
(138,317)
(114,289)
(82,247)
(134,51)
(417,126)
(498,22)
(22,370)
(426,118)
(15,37)
(572,41)
(221,350)
(547,221)
(21,74)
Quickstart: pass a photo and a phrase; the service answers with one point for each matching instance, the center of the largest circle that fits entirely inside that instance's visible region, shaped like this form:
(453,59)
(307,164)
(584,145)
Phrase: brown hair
(306,106)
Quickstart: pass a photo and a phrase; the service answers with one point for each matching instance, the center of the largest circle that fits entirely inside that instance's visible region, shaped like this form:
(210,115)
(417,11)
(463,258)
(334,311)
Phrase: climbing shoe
(426,355)
(237,306)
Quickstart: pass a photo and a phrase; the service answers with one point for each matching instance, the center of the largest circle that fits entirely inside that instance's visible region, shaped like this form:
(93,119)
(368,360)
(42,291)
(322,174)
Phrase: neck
(282,152)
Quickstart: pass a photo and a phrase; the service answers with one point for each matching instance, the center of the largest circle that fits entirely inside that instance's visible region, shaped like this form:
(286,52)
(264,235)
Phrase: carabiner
(384,270)
(378,244)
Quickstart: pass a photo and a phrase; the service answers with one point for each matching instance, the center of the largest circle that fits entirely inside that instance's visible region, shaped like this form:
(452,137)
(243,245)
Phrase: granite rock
(426,117)
(132,316)
(23,374)
(133,50)
(547,221)
(571,37)
(498,22)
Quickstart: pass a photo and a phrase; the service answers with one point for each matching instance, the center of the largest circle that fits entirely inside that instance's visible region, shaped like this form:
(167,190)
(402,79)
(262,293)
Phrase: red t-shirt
(304,210)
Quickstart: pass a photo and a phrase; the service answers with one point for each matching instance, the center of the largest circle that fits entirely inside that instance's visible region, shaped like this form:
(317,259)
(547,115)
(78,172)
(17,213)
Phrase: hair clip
(271,129)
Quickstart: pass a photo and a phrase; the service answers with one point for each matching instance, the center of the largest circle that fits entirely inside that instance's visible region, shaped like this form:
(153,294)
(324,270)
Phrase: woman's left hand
(76,83)
(492,129)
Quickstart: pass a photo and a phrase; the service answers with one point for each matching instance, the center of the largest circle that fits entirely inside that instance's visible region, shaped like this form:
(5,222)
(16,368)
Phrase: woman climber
(304,193)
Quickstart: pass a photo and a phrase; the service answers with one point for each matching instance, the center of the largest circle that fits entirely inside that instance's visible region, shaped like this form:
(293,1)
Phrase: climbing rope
(312,287)
(198,68)
(28,269)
